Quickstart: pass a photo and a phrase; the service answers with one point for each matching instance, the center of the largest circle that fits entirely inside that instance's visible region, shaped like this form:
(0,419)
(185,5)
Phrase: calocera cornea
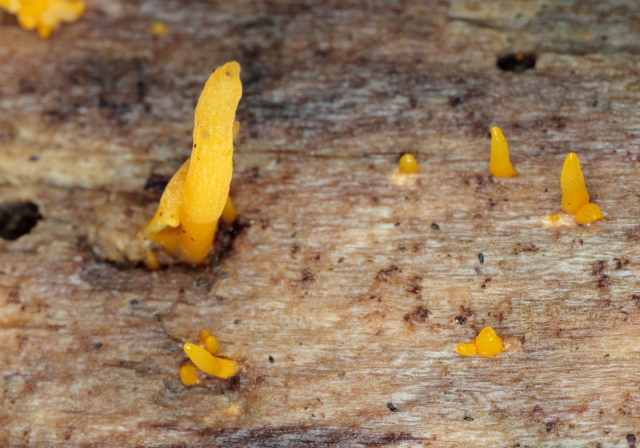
(487,343)
(198,194)
(43,15)
(499,162)
(575,198)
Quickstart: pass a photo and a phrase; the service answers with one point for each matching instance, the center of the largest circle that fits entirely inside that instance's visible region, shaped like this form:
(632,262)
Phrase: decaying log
(342,289)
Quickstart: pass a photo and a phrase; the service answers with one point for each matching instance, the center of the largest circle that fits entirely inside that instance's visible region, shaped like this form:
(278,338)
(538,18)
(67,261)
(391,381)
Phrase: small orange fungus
(43,15)
(159,29)
(211,345)
(575,198)
(195,198)
(408,164)
(204,334)
(589,213)
(209,364)
(487,343)
(228,212)
(151,260)
(500,164)
(188,375)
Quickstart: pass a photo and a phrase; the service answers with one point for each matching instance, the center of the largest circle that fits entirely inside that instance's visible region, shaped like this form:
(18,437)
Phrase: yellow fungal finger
(209,364)
(574,192)
(467,349)
(209,177)
(169,210)
(500,164)
(195,198)
(211,345)
(589,213)
(488,342)
(408,164)
(228,212)
(188,375)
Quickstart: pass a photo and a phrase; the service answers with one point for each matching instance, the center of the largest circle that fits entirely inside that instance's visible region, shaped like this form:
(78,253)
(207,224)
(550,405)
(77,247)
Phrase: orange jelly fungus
(43,15)
(188,375)
(159,28)
(196,196)
(575,198)
(500,164)
(209,364)
(211,345)
(487,343)
(408,164)
(204,334)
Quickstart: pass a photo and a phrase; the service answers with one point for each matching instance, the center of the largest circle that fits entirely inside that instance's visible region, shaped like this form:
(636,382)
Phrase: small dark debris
(379,332)
(98,346)
(457,101)
(308,276)
(481,258)
(18,219)
(293,235)
(271,360)
(516,61)
(156,183)
(550,426)
(392,408)
(435,226)
(237,321)
(620,263)
(598,268)
(469,419)
(385,274)
(521,247)
(419,315)
(461,320)
(414,287)
(201,281)
(341,374)
(219,298)
(340,260)
(234,383)
(34,158)
(397,224)
(604,282)
(134,302)
(631,439)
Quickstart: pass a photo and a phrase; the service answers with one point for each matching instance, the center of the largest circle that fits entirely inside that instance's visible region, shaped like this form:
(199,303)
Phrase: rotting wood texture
(341,292)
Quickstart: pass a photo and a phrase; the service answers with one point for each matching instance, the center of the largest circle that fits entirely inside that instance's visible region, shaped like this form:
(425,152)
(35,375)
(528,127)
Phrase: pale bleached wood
(336,258)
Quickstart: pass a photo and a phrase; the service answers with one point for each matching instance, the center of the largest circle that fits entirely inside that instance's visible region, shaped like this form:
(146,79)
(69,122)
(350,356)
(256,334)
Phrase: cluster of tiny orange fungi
(202,356)
(43,15)
(575,198)
(487,343)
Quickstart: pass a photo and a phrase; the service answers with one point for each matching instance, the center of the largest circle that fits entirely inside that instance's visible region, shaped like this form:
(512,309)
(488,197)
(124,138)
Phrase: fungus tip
(408,164)
(499,163)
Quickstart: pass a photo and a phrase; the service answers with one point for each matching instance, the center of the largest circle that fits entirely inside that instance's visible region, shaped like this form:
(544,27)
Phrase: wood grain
(335,262)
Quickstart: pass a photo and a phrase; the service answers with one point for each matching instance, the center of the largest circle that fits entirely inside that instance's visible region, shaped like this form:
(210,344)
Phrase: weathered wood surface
(336,257)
